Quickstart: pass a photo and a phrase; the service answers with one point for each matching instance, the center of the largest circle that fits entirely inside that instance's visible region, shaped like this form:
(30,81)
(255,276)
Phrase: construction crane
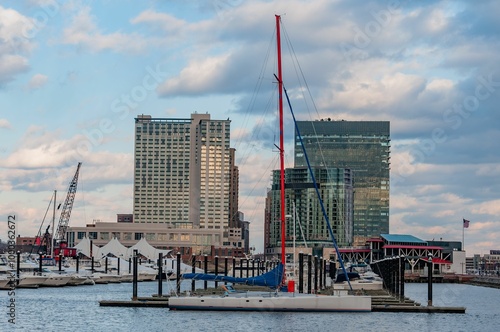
(60,237)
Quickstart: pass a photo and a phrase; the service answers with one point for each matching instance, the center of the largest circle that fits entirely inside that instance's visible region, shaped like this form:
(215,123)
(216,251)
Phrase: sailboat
(275,279)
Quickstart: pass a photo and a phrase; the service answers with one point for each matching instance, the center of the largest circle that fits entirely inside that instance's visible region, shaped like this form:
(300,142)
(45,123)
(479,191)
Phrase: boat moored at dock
(273,301)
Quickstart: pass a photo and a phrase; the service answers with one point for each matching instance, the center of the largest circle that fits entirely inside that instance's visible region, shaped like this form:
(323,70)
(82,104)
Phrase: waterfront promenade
(486,281)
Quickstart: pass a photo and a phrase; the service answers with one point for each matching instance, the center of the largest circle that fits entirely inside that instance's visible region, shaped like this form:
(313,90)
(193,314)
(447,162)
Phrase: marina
(258,292)
(255,295)
(87,315)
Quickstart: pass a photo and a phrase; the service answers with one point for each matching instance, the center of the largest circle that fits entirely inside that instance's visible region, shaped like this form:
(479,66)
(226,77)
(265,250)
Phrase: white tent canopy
(146,250)
(115,248)
(83,247)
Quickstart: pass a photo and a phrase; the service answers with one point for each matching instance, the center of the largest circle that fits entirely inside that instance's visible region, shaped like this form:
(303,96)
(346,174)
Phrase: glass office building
(363,147)
(305,219)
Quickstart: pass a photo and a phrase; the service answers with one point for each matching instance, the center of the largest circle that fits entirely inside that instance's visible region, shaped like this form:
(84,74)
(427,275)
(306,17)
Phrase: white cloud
(14,44)
(84,32)
(37,81)
(239,133)
(11,65)
(404,201)
(489,207)
(14,32)
(488,170)
(436,21)
(171,112)
(42,149)
(166,21)
(196,78)
(382,93)
(5,124)
(43,3)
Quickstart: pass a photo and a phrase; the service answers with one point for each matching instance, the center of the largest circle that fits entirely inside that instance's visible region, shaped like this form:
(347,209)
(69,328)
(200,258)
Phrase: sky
(75,74)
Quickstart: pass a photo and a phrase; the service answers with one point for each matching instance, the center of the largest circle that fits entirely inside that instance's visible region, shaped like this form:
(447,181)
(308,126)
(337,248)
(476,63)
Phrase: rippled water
(77,309)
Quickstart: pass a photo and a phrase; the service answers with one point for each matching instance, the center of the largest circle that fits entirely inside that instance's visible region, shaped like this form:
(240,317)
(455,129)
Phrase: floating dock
(149,302)
(404,308)
(382,301)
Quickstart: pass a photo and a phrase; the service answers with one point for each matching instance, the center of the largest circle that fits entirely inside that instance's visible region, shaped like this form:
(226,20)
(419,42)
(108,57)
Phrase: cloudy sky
(74,74)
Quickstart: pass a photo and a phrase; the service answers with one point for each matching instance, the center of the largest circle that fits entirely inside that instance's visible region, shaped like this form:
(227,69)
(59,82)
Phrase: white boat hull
(146,276)
(4,283)
(126,277)
(27,281)
(56,280)
(287,302)
(77,280)
(103,278)
(89,281)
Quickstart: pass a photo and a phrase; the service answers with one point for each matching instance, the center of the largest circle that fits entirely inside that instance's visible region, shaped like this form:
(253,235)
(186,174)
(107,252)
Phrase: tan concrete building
(162,236)
(183,171)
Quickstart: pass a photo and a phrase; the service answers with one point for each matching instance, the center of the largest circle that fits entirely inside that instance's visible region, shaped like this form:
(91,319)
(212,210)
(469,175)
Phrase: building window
(127,236)
(138,236)
(81,235)
(92,235)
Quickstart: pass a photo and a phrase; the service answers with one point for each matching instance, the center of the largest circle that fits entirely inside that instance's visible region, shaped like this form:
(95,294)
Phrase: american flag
(466,223)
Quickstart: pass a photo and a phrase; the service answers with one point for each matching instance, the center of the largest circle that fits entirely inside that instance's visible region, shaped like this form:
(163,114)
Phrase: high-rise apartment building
(184,172)
(363,147)
(234,214)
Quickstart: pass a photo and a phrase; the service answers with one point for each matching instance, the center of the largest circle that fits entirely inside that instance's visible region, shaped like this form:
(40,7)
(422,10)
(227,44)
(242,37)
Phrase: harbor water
(77,309)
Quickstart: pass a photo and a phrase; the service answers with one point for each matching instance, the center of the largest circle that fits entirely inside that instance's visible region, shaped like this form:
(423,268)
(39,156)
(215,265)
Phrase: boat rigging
(279,301)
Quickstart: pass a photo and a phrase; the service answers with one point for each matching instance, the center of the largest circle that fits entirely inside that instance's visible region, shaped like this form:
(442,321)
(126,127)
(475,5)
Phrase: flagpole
(463,234)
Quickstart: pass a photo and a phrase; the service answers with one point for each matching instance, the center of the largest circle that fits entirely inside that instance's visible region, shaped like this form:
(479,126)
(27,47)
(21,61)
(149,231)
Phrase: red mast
(282,149)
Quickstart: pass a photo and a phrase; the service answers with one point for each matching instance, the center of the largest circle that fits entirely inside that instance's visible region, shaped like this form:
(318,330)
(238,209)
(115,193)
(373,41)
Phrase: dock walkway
(382,301)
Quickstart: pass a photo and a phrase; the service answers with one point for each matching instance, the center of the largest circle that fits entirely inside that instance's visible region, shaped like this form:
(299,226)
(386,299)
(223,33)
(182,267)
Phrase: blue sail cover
(271,279)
